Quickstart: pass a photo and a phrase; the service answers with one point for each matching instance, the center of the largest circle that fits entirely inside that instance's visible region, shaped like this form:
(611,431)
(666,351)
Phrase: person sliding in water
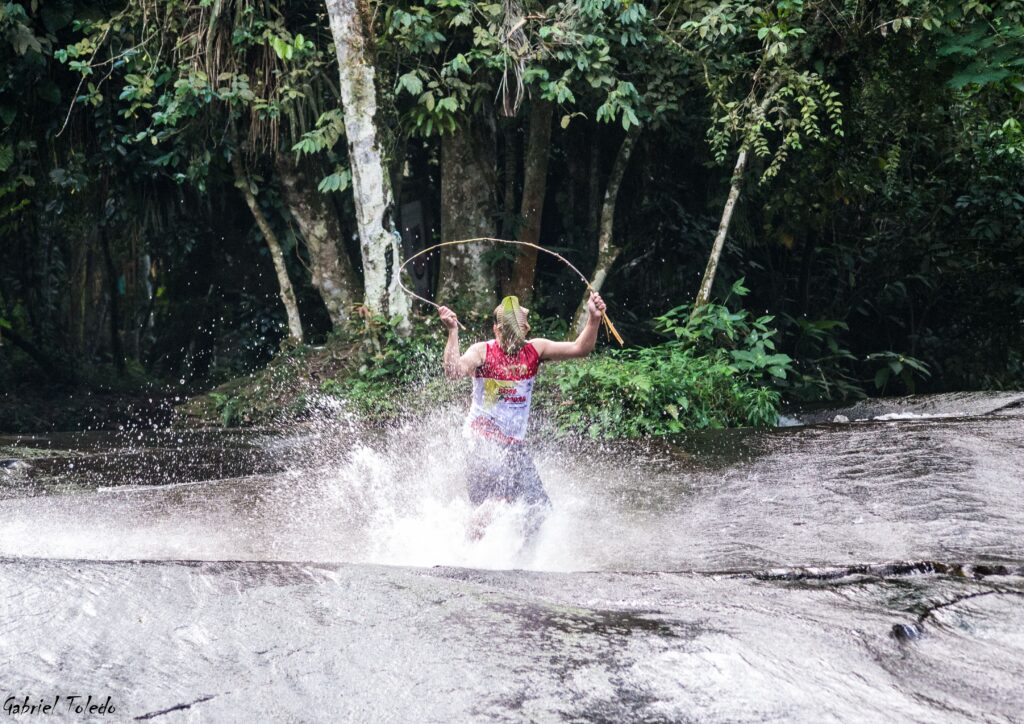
(503,371)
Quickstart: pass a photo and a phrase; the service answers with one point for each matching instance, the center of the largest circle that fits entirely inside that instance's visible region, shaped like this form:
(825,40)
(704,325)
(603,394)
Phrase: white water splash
(406,495)
(395,496)
(822,495)
(912,416)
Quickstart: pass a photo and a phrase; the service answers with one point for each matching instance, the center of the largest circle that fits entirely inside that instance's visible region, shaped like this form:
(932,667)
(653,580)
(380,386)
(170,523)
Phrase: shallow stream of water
(849,571)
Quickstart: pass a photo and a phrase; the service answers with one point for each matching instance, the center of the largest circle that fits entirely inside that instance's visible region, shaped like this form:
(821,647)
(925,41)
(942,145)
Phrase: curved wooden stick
(609,327)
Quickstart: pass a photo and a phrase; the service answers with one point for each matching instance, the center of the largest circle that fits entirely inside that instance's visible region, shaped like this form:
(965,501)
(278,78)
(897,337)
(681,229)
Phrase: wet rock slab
(838,572)
(227,641)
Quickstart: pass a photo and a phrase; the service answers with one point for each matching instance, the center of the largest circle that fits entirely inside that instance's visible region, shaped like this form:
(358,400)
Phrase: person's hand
(448,318)
(596,306)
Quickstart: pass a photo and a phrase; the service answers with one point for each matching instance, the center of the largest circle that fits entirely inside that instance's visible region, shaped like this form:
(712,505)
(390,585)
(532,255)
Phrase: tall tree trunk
(723,229)
(510,174)
(535,179)
(607,250)
(806,263)
(330,268)
(116,348)
(78,283)
(284,284)
(467,211)
(371,186)
(96,304)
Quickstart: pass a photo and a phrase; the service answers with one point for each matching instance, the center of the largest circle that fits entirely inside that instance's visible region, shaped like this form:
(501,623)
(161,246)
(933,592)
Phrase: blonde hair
(512,324)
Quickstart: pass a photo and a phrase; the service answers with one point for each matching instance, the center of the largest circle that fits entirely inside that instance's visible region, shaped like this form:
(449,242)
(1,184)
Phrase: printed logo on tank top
(506,391)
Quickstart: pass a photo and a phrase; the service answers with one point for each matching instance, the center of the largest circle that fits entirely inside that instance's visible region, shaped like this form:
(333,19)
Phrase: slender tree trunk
(704,295)
(510,175)
(284,284)
(96,306)
(131,287)
(379,240)
(144,319)
(330,268)
(509,206)
(723,229)
(607,250)
(78,282)
(467,211)
(806,263)
(116,348)
(535,178)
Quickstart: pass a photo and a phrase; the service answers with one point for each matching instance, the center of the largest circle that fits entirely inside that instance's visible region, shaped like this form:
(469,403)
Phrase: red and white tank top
(502,390)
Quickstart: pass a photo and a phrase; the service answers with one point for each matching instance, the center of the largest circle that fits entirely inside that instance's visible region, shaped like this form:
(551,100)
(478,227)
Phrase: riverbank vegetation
(714,366)
(718,368)
(204,193)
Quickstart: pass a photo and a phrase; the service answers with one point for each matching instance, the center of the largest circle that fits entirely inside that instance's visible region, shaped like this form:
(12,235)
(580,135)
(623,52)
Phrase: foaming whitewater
(395,496)
(871,571)
(399,498)
(892,489)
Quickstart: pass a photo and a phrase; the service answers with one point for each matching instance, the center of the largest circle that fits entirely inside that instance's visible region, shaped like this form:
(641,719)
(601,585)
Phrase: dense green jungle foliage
(716,368)
(175,175)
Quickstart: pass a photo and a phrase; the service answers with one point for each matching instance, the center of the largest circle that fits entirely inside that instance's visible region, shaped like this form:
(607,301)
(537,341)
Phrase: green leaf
(280,47)
(738,289)
(337,181)
(979,77)
(6,157)
(459,64)
(411,83)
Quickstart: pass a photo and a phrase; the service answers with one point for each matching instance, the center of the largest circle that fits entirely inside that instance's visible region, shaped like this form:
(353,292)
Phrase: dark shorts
(503,472)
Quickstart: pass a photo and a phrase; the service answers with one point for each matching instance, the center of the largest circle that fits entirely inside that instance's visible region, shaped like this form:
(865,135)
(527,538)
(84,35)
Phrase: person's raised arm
(550,351)
(456,365)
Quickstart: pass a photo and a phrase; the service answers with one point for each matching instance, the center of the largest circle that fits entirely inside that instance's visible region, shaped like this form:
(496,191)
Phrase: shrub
(716,369)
